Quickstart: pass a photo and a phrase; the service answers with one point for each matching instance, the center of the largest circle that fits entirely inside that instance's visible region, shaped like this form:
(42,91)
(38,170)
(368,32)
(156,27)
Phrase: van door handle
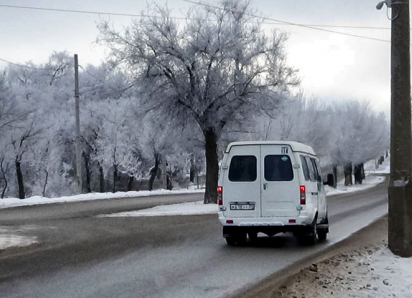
(314,193)
(265,185)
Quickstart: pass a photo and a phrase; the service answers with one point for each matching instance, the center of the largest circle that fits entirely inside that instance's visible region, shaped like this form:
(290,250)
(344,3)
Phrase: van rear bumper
(302,220)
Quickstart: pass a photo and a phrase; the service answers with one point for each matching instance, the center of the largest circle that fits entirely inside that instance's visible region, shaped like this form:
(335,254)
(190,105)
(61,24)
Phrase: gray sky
(331,66)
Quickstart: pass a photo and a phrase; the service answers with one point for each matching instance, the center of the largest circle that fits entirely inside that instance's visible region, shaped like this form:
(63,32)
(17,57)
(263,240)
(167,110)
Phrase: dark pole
(400,186)
(77,109)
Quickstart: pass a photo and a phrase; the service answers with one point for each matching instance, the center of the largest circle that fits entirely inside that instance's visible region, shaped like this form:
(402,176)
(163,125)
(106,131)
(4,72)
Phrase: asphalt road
(81,255)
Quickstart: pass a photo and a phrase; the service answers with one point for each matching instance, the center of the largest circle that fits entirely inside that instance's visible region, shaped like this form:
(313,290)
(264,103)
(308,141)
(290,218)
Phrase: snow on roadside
(7,241)
(192,208)
(371,272)
(38,200)
(370,179)
(9,238)
(369,182)
(384,168)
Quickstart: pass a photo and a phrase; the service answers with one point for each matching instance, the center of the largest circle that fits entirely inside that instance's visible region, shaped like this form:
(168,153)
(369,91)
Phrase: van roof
(297,147)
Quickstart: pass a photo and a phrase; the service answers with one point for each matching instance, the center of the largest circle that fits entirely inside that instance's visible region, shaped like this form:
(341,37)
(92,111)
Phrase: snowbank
(38,200)
(192,208)
(369,182)
(372,272)
(10,238)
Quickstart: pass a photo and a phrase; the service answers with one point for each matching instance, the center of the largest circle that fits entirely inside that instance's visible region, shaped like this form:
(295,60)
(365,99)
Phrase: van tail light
(220,195)
(303,195)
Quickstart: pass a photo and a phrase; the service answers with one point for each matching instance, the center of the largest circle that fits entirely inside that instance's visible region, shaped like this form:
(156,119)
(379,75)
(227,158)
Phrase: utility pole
(77,104)
(400,185)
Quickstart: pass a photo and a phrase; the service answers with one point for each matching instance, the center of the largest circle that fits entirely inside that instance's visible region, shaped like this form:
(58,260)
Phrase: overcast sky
(331,66)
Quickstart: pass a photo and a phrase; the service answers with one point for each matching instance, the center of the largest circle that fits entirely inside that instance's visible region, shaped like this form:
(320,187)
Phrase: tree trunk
(115,174)
(169,184)
(348,174)
(357,171)
(87,166)
(363,171)
(3,172)
(153,172)
(192,172)
(335,176)
(130,183)
(4,188)
(101,178)
(22,193)
(45,183)
(212,166)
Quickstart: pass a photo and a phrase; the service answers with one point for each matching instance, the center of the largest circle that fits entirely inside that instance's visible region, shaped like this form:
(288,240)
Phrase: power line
(93,76)
(295,24)
(83,11)
(183,18)
(336,26)
(25,66)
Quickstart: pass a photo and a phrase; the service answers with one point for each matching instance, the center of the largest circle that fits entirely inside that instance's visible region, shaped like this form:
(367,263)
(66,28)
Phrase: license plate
(242,206)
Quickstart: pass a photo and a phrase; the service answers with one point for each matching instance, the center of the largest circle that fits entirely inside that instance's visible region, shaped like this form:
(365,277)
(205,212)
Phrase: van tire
(253,235)
(239,239)
(230,241)
(322,235)
(323,232)
(309,236)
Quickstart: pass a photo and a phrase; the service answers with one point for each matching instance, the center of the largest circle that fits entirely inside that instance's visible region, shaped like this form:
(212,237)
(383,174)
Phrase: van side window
(315,167)
(278,168)
(319,168)
(312,174)
(243,168)
(305,168)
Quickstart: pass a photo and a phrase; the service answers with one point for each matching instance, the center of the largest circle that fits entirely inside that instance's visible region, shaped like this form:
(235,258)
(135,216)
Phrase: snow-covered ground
(369,182)
(38,200)
(192,208)
(11,237)
(370,272)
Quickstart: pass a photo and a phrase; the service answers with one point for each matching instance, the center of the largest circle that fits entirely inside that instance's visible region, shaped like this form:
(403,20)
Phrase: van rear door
(280,192)
(241,186)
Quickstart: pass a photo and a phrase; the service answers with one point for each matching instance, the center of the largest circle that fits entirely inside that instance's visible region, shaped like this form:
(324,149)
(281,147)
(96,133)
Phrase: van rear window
(243,168)
(278,168)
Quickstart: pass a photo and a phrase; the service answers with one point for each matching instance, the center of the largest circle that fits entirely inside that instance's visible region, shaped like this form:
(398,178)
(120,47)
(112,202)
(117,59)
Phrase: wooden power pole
(77,105)
(400,186)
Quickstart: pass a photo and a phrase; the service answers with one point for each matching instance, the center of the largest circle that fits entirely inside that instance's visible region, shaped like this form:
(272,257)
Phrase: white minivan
(271,187)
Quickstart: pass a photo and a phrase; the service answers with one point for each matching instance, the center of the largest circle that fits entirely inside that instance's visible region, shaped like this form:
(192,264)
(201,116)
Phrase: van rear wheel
(323,229)
(253,235)
(238,238)
(308,237)
(322,235)
(230,241)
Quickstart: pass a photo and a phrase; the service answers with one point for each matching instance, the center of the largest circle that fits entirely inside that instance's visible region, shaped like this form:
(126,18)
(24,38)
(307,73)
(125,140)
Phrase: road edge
(266,287)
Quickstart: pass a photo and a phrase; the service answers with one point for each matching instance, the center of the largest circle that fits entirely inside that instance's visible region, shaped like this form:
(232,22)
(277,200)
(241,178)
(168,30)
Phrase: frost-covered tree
(297,119)
(360,134)
(209,68)
(8,105)
(103,82)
